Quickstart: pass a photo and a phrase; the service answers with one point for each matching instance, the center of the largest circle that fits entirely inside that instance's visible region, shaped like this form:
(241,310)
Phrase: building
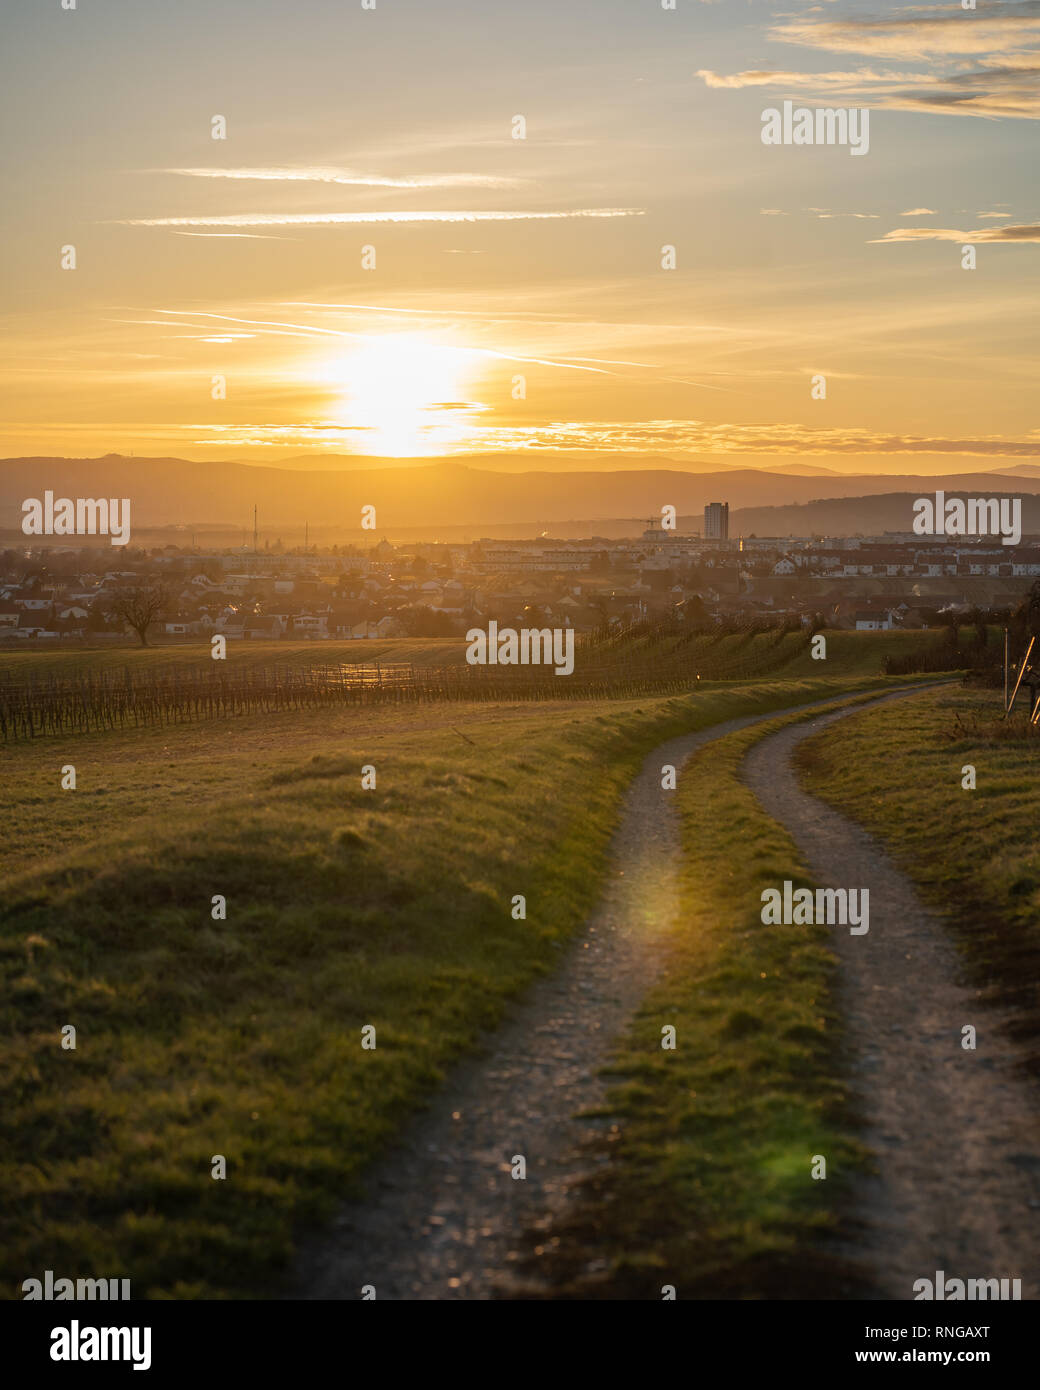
(716,521)
(874,622)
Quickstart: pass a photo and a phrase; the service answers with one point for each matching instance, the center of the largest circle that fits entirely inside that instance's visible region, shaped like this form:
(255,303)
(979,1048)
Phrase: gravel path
(445,1218)
(956,1133)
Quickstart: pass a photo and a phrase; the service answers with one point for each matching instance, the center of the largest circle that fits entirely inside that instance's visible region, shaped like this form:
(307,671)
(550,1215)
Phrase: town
(69,593)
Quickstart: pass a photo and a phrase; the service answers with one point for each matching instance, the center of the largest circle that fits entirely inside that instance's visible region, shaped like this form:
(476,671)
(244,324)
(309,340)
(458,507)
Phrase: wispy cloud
(928,31)
(351,177)
(991,67)
(826,213)
(779,77)
(918,212)
(236,236)
(677,436)
(313,330)
(362,219)
(1006,234)
(823,213)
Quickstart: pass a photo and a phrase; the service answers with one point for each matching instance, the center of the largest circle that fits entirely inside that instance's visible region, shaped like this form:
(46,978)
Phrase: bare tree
(1027,616)
(139,608)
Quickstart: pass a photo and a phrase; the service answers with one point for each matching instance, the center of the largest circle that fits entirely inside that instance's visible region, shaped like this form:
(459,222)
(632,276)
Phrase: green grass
(345,908)
(974,854)
(861,653)
(737,655)
(736,652)
(709,1183)
(69,661)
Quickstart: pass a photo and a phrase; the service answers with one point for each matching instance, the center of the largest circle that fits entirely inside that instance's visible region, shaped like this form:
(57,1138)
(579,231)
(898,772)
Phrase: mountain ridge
(167,491)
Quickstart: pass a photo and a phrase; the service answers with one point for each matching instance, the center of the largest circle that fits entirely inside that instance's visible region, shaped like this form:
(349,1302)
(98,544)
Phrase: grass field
(974,854)
(345,907)
(650,661)
(861,653)
(18,664)
(34,663)
(639,660)
(854,652)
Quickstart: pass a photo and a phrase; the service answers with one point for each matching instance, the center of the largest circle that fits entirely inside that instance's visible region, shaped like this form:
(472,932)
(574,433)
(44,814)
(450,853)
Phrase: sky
(514,297)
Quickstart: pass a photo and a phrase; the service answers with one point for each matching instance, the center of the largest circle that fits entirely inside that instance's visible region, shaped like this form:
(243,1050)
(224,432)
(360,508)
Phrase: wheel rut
(444,1218)
(956,1133)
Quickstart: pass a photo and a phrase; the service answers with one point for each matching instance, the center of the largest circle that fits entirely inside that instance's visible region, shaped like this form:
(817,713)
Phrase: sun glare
(403,395)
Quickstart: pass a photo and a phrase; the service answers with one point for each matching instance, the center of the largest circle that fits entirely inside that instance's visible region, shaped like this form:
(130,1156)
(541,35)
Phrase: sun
(403,394)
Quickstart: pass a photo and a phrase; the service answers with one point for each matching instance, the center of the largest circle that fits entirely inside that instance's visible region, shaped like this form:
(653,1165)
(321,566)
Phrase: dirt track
(956,1133)
(444,1217)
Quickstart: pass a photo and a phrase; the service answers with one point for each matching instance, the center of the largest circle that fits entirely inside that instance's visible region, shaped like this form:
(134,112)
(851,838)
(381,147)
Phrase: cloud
(278,328)
(983,91)
(993,214)
(1012,234)
(825,213)
(918,212)
(777,77)
(322,174)
(929,31)
(361,219)
(237,236)
(681,436)
(991,65)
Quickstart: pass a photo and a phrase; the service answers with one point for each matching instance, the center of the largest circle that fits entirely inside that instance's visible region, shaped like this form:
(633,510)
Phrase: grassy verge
(709,1184)
(898,770)
(345,907)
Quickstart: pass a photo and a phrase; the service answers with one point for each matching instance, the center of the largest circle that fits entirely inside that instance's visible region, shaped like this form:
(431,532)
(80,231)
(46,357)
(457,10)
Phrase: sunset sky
(541,257)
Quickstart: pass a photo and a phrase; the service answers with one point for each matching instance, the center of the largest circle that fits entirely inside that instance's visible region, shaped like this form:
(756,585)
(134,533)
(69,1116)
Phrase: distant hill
(847,516)
(439,495)
(1021,470)
(806,470)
